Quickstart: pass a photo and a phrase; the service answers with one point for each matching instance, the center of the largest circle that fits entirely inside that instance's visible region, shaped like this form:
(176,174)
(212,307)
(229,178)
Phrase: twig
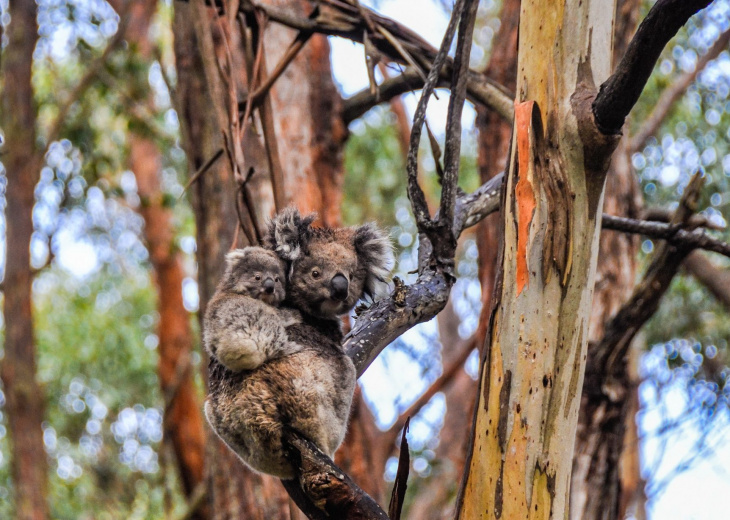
(465,349)
(452,149)
(415,193)
(204,168)
(670,95)
(697,239)
(621,90)
(400,485)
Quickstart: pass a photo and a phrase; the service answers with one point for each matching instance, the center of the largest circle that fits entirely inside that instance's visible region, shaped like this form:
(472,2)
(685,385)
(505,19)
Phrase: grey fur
(310,388)
(242,328)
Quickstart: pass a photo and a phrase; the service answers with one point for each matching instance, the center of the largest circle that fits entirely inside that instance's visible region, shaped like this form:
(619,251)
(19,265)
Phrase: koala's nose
(339,288)
(269,286)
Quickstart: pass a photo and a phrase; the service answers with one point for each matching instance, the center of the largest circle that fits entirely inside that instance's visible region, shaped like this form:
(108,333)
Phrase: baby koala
(243,326)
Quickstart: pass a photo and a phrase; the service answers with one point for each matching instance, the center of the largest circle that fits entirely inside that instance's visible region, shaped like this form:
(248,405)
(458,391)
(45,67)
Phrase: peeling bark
(532,370)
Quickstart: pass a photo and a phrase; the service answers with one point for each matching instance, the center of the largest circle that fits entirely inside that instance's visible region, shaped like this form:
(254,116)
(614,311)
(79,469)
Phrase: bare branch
(673,92)
(716,280)
(322,490)
(621,90)
(674,234)
(480,90)
(415,193)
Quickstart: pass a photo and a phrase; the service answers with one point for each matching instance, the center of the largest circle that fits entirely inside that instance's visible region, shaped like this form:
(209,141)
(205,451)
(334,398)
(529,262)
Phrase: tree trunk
(598,487)
(306,116)
(532,370)
(183,420)
(22,162)
(233,491)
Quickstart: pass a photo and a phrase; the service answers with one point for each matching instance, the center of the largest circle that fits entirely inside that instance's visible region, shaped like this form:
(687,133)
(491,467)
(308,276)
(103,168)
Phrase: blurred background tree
(101,150)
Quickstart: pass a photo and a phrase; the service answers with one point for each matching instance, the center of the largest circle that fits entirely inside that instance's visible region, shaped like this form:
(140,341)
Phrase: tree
(22,164)
(263,126)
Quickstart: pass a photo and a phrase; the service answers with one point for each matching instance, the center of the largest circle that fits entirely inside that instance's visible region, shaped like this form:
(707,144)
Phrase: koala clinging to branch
(243,328)
(309,389)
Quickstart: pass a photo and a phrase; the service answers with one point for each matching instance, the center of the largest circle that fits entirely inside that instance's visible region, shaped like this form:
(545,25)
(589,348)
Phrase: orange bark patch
(524,193)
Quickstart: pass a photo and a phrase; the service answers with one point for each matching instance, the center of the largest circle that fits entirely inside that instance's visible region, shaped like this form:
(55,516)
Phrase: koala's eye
(257,277)
(316,273)
(276,279)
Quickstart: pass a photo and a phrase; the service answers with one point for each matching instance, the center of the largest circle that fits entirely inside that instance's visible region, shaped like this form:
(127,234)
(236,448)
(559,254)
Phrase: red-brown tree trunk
(22,161)
(183,420)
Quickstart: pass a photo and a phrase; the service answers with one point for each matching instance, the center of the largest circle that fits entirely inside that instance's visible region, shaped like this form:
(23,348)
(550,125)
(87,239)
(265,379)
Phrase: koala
(243,329)
(309,390)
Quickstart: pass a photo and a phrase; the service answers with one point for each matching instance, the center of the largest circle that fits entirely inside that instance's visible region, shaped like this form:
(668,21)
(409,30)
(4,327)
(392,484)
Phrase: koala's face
(330,278)
(326,281)
(255,272)
(330,268)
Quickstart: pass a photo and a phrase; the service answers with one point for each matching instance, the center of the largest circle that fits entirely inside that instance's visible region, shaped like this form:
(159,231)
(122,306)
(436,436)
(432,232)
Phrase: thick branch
(675,91)
(716,280)
(609,354)
(619,93)
(409,305)
(480,91)
(322,490)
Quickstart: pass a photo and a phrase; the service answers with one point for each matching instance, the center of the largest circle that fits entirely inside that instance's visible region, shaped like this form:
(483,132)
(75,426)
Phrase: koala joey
(309,390)
(243,327)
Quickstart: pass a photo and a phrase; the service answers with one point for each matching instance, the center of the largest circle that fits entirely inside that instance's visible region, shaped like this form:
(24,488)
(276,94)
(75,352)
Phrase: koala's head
(330,269)
(255,272)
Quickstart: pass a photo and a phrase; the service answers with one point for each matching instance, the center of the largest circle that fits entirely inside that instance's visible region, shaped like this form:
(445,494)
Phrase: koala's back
(309,391)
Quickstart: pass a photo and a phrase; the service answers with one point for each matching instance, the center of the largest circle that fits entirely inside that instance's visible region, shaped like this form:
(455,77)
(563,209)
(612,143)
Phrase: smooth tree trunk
(606,477)
(532,371)
(22,161)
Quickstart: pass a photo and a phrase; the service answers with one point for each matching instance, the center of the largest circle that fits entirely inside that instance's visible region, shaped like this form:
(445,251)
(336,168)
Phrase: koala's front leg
(241,332)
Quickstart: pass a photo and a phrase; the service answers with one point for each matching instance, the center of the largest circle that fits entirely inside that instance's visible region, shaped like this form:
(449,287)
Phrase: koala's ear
(233,257)
(375,252)
(289,233)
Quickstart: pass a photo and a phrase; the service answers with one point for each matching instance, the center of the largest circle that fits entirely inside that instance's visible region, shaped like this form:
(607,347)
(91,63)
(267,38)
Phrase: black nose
(338,288)
(269,285)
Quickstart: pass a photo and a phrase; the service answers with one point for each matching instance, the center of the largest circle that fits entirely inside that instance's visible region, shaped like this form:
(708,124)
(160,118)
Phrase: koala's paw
(244,354)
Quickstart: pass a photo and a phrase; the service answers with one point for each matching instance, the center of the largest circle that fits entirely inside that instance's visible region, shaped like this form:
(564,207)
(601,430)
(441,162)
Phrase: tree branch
(672,233)
(621,90)
(673,92)
(322,490)
(480,90)
(605,368)
(716,280)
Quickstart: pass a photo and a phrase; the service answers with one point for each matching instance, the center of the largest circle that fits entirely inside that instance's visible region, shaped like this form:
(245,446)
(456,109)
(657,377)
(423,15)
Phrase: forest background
(104,80)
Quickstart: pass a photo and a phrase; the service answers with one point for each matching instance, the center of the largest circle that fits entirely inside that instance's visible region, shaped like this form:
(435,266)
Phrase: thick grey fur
(309,389)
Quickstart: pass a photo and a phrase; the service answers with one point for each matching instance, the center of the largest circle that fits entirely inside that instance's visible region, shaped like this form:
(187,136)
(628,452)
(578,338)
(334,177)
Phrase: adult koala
(310,390)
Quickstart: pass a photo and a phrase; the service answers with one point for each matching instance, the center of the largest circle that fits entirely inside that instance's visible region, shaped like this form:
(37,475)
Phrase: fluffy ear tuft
(236,255)
(375,252)
(289,233)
